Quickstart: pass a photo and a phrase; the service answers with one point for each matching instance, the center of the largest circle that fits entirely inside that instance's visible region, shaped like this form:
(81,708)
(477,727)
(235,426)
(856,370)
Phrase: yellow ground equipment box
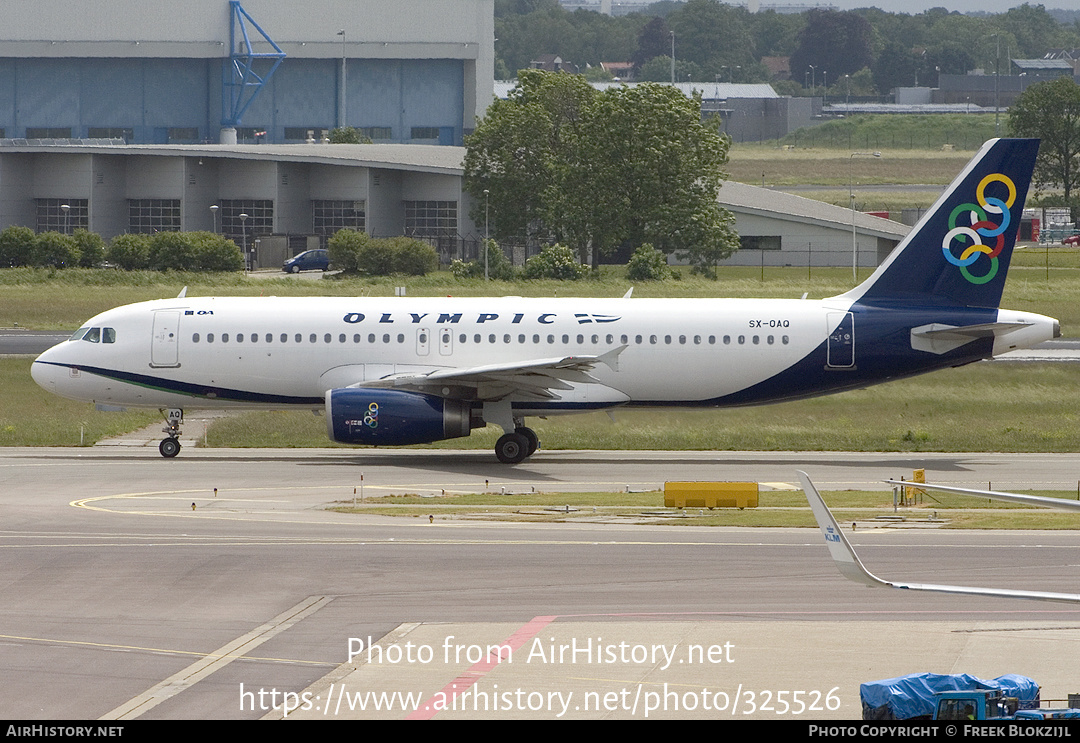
(710,494)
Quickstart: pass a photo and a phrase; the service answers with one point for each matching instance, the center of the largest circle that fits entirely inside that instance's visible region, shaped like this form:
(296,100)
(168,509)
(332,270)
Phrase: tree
(832,42)
(653,41)
(1051,112)
(650,172)
(560,161)
(519,150)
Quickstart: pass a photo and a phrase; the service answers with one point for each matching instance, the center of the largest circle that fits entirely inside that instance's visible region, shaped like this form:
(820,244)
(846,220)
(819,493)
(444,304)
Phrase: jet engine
(358,415)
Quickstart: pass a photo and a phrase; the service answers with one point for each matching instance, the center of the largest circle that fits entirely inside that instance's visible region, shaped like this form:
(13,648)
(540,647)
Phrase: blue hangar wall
(162,101)
(154,71)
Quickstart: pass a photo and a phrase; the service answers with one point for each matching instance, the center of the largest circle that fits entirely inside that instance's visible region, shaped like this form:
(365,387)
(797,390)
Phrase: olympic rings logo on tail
(982,226)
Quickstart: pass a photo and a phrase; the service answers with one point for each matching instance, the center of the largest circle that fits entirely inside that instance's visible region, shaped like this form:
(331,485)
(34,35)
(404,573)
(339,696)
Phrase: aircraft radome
(404,370)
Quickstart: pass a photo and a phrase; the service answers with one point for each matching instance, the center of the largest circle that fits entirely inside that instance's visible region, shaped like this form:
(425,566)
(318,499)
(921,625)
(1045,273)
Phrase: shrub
(215,252)
(16,246)
(344,247)
(355,252)
(91,247)
(499,266)
(54,250)
(129,252)
(412,257)
(555,262)
(647,264)
(172,251)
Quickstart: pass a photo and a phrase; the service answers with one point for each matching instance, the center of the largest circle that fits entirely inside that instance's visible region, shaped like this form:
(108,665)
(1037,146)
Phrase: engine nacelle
(357,415)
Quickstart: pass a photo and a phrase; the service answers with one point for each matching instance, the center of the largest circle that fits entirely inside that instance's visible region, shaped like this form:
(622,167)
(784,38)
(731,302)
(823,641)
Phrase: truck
(925,696)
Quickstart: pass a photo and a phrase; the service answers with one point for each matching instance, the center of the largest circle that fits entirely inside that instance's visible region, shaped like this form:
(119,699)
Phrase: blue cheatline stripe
(208,392)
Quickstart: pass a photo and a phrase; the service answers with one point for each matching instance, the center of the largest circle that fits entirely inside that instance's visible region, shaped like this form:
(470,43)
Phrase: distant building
(749,112)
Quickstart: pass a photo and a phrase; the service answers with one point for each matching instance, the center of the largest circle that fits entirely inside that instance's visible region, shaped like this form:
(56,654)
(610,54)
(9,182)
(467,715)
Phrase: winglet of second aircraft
(851,567)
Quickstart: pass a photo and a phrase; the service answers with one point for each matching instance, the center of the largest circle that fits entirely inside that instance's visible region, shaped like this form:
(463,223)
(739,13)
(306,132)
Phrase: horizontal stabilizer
(939,338)
(851,567)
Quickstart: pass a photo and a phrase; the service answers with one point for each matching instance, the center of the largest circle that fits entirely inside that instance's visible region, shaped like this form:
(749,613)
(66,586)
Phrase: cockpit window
(93,335)
(108,335)
(78,334)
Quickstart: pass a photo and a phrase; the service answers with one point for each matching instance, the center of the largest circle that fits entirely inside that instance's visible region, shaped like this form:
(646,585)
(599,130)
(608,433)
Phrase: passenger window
(195,338)
(341,338)
(239,337)
(624,339)
(637,339)
(667,339)
(697,340)
(269,337)
(254,337)
(682,340)
(313,338)
(327,338)
(769,340)
(727,339)
(491,338)
(356,338)
(551,339)
(476,338)
(784,339)
(565,339)
(742,339)
(209,337)
(386,338)
(371,338)
(224,337)
(462,338)
(284,337)
(652,339)
(756,340)
(536,338)
(400,337)
(580,339)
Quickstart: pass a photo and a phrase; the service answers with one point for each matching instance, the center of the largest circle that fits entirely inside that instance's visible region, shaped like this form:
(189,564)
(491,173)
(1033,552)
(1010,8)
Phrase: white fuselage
(276,352)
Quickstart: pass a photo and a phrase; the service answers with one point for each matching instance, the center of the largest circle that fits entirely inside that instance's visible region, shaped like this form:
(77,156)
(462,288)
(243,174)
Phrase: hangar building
(153,72)
(289,196)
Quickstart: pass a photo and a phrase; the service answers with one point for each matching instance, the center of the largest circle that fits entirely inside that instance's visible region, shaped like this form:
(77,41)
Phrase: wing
(1030,500)
(538,379)
(851,567)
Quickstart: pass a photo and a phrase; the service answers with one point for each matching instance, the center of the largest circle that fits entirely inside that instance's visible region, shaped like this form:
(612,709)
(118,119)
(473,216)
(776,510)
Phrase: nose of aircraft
(45,372)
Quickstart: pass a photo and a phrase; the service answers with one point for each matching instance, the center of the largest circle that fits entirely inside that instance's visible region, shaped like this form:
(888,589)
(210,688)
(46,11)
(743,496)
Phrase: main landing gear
(170,445)
(512,448)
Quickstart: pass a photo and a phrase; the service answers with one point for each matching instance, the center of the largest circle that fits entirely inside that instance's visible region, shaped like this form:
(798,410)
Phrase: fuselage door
(841,354)
(164,346)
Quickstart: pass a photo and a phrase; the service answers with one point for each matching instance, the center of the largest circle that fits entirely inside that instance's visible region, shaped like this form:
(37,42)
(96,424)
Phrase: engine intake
(356,415)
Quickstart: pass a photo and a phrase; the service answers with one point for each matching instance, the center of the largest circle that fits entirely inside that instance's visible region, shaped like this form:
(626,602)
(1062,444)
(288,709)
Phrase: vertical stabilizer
(959,252)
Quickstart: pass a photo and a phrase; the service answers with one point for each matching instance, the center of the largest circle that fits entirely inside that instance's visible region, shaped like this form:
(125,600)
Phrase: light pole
(214,212)
(342,110)
(243,239)
(672,57)
(851,200)
(486,238)
(997,62)
(65,208)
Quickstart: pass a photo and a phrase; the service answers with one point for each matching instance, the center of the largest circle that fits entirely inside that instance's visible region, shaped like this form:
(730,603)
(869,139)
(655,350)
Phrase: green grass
(29,416)
(1017,408)
(862,132)
(775,509)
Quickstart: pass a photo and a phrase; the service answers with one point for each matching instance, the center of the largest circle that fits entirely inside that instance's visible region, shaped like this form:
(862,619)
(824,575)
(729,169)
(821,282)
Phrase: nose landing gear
(170,445)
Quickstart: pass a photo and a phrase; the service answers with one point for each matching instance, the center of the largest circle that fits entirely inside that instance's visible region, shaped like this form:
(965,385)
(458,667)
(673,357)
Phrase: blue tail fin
(959,252)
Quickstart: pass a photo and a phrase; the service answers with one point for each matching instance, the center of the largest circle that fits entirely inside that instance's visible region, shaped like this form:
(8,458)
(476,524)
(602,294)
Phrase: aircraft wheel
(169,447)
(531,437)
(511,448)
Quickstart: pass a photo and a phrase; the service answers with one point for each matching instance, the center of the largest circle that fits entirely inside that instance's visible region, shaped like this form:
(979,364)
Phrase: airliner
(404,370)
(851,567)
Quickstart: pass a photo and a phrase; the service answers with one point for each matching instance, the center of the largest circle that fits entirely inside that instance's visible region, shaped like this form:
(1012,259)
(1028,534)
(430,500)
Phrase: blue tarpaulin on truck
(912,696)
